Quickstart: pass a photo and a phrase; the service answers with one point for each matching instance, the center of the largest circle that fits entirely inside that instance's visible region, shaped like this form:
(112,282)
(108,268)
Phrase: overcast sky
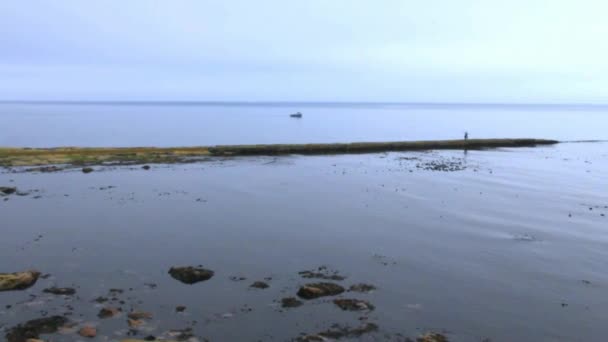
(307,50)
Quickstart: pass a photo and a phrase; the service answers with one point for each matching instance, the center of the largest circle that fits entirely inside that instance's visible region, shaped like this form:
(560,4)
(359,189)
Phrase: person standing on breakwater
(466,136)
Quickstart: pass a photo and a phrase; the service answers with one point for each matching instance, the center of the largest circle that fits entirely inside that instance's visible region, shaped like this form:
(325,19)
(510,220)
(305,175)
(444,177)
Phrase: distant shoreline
(89,156)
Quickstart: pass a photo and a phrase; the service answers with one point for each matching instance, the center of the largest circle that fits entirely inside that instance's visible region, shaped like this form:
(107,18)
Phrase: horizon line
(267,102)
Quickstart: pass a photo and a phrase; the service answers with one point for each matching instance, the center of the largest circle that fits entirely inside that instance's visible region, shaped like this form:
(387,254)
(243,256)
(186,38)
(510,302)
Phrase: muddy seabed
(502,245)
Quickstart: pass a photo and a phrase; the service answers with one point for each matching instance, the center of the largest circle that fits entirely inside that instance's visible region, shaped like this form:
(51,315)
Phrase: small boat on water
(296,115)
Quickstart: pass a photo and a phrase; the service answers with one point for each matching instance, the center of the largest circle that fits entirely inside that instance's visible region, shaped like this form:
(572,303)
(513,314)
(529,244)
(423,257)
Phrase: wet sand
(497,245)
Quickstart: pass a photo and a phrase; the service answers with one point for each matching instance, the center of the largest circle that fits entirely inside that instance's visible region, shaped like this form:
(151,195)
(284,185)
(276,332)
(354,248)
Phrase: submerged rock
(190,275)
(135,323)
(34,328)
(290,302)
(65,291)
(363,288)
(139,315)
(316,290)
(180,308)
(108,312)
(88,331)
(146,167)
(353,305)
(18,280)
(260,285)
(87,170)
(337,332)
(432,337)
(6,190)
(322,273)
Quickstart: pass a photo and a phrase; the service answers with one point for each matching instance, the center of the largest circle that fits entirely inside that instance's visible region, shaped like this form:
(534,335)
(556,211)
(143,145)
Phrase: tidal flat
(491,245)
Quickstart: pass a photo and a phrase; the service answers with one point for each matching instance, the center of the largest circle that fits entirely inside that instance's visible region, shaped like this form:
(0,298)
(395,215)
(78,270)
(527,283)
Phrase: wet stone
(87,170)
(60,291)
(338,332)
(353,305)
(35,328)
(290,302)
(18,280)
(316,290)
(190,275)
(362,288)
(6,190)
(322,273)
(88,331)
(432,337)
(139,315)
(108,312)
(259,285)
(180,308)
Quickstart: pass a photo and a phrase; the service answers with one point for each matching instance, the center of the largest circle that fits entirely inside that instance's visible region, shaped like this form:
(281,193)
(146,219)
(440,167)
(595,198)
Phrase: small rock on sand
(316,290)
(190,275)
(18,281)
(88,331)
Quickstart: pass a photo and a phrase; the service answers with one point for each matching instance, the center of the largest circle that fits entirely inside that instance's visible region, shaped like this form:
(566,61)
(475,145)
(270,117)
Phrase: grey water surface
(196,124)
(511,245)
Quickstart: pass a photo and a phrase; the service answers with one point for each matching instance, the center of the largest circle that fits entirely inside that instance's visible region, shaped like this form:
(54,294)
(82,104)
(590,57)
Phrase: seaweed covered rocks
(338,332)
(290,302)
(18,280)
(190,275)
(432,337)
(34,328)
(353,305)
(317,290)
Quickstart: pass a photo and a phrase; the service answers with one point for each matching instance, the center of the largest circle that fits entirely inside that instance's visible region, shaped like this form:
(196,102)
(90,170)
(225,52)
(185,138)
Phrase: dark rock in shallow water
(337,332)
(18,281)
(65,291)
(190,275)
(137,315)
(146,167)
(363,288)
(87,169)
(108,312)
(180,308)
(353,305)
(7,190)
(432,337)
(88,331)
(322,273)
(290,302)
(259,285)
(34,328)
(316,290)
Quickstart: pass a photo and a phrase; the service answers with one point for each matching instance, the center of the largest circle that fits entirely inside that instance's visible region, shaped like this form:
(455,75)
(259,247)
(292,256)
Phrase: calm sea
(188,124)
